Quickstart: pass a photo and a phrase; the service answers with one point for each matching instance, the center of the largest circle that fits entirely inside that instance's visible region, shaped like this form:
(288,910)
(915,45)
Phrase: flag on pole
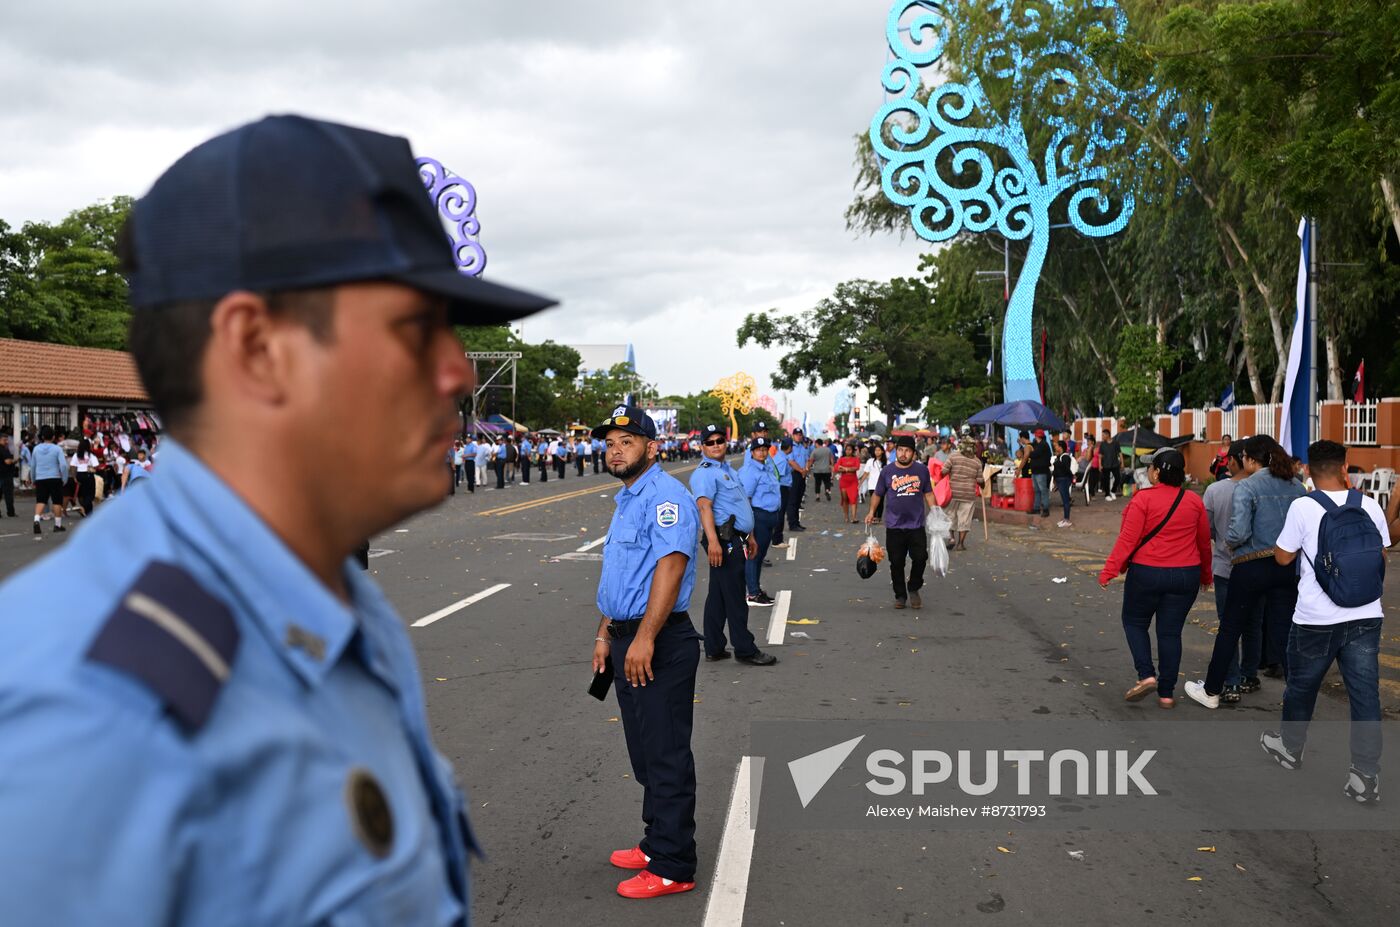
(804,424)
(989,366)
(1358,384)
(1293,434)
(1227,398)
(1175,407)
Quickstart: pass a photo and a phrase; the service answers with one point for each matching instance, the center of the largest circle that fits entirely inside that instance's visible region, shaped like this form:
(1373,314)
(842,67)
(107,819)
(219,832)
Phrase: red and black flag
(1358,384)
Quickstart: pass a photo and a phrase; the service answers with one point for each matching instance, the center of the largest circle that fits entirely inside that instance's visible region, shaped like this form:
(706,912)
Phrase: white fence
(1266,418)
(1359,424)
(1230,422)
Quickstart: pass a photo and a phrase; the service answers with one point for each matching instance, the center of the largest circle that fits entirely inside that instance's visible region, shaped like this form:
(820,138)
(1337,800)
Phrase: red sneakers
(646,885)
(629,859)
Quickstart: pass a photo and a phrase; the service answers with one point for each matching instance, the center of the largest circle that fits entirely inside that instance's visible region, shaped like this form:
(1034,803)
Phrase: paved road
(548,776)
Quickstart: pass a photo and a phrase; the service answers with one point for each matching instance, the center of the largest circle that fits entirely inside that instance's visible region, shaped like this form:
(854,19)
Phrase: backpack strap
(1324,500)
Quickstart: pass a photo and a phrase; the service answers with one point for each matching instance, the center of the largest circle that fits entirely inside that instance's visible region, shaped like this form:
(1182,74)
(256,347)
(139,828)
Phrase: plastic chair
(1382,484)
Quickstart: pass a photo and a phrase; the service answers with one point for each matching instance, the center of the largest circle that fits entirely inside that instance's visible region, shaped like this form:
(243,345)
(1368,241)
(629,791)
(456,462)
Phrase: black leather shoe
(757,658)
(715,658)
(798,528)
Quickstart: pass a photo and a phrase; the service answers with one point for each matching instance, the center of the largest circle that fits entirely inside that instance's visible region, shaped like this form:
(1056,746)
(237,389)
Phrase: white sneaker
(1272,742)
(1196,689)
(1065,524)
(1362,788)
(1111,497)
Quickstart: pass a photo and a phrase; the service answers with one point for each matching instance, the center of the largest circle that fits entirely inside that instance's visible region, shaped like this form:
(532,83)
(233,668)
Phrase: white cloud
(664,169)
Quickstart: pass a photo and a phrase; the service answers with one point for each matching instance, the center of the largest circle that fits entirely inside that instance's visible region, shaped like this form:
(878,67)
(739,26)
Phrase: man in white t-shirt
(1324,631)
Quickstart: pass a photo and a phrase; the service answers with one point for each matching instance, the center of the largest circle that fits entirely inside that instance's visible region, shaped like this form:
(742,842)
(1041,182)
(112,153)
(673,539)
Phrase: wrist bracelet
(601,640)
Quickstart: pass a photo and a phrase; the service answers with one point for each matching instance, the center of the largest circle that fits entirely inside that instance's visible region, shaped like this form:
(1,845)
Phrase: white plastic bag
(938,526)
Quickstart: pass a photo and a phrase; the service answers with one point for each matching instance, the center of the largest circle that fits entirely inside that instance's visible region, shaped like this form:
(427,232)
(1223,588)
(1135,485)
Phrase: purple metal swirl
(455,200)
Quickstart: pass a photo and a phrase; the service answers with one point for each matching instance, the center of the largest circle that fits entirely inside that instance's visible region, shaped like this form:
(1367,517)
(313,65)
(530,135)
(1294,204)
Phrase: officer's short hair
(168,342)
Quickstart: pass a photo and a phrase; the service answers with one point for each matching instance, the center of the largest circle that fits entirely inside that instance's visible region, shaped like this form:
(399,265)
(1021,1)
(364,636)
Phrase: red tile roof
(36,368)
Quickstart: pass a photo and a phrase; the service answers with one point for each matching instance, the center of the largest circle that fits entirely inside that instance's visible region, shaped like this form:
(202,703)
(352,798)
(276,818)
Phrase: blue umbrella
(1022,414)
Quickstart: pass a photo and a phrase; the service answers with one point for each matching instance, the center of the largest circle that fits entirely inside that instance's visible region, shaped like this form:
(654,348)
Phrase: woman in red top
(848,473)
(1165,570)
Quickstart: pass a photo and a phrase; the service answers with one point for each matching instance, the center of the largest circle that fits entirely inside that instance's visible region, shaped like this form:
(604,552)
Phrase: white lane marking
(590,545)
(380,552)
(458,606)
(730,886)
(792,549)
(777,624)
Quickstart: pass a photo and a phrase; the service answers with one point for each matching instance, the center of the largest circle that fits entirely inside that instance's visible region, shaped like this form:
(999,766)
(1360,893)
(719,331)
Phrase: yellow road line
(522,506)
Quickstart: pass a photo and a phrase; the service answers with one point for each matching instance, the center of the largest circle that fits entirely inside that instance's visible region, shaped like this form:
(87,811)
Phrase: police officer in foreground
(727,523)
(231,729)
(647,637)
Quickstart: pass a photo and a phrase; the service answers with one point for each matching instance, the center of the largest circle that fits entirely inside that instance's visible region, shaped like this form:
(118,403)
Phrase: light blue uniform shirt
(655,516)
(483,454)
(761,484)
(716,480)
(779,462)
(501,451)
(526,448)
(800,453)
(49,463)
(469,452)
(185,745)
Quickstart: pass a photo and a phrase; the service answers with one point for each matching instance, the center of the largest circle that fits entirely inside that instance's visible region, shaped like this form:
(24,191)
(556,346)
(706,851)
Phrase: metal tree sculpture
(455,200)
(735,394)
(961,164)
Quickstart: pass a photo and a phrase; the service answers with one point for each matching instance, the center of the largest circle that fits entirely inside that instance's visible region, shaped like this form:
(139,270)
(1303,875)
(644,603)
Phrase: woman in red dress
(848,471)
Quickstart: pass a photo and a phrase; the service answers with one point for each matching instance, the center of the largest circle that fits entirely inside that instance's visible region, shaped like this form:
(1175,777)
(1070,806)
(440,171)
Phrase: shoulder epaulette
(174,637)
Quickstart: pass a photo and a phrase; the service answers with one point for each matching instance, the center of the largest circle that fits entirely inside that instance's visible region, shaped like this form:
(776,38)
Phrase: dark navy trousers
(657,720)
(726,604)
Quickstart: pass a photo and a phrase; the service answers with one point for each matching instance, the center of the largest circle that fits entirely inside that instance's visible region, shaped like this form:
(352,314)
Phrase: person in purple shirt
(907,491)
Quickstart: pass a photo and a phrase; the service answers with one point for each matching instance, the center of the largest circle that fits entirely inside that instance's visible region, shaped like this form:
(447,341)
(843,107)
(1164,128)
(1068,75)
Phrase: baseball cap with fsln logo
(292,203)
(629,419)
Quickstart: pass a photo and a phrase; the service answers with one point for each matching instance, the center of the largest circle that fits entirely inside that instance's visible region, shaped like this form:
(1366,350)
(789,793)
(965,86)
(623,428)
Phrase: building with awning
(60,385)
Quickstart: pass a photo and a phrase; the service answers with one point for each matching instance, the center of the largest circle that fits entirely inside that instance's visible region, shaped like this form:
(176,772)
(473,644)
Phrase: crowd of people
(1281,615)
(510,458)
(69,472)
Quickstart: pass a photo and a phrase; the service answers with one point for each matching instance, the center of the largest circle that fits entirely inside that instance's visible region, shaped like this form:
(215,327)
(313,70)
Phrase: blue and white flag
(804,424)
(1293,434)
(1227,398)
(1175,407)
(989,366)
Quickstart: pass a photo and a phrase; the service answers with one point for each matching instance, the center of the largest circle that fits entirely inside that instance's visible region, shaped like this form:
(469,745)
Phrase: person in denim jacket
(1259,508)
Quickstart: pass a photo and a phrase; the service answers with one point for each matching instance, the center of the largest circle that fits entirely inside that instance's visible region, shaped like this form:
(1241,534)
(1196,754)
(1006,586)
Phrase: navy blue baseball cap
(709,430)
(293,203)
(629,419)
(760,442)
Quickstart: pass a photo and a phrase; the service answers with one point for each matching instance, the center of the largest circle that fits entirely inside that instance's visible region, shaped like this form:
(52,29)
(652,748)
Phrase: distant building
(600,358)
(60,385)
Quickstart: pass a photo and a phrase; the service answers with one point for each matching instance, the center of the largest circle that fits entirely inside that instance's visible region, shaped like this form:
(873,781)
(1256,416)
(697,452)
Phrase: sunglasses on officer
(713,441)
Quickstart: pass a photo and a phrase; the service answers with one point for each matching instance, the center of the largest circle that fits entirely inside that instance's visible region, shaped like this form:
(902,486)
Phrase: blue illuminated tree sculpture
(455,200)
(959,156)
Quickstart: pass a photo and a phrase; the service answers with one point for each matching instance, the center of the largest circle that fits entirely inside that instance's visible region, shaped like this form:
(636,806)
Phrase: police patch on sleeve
(667,514)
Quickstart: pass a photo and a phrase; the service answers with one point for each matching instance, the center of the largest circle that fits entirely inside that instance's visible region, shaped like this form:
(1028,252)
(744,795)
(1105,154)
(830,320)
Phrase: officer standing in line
(648,639)
(527,451)
(760,484)
(231,730)
(778,463)
(797,461)
(726,520)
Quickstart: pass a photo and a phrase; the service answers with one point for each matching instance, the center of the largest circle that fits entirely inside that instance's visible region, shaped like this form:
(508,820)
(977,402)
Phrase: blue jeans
(1063,485)
(764,521)
(1244,662)
(1167,593)
(1311,650)
(1041,481)
(1254,584)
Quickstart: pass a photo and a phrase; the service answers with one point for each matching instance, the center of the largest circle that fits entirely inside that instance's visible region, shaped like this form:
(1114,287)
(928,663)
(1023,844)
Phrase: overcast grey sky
(662,168)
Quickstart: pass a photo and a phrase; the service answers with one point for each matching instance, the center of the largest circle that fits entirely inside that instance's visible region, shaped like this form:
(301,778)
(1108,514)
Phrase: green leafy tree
(1140,359)
(61,282)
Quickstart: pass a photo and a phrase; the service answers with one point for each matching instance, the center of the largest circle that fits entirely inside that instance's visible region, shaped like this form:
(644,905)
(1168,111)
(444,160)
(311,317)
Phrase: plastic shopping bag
(938,526)
(869,557)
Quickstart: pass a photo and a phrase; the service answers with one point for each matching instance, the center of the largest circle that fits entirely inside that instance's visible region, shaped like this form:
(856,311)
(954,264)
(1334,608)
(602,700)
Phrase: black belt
(620,629)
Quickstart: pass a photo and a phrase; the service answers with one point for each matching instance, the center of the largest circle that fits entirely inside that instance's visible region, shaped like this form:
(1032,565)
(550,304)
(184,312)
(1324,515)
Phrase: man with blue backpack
(1342,536)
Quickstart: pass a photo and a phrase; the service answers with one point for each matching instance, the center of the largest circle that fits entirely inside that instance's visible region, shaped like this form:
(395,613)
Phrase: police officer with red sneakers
(647,638)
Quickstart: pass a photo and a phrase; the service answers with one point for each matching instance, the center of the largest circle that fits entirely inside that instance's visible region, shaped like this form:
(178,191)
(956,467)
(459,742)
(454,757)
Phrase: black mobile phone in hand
(602,682)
